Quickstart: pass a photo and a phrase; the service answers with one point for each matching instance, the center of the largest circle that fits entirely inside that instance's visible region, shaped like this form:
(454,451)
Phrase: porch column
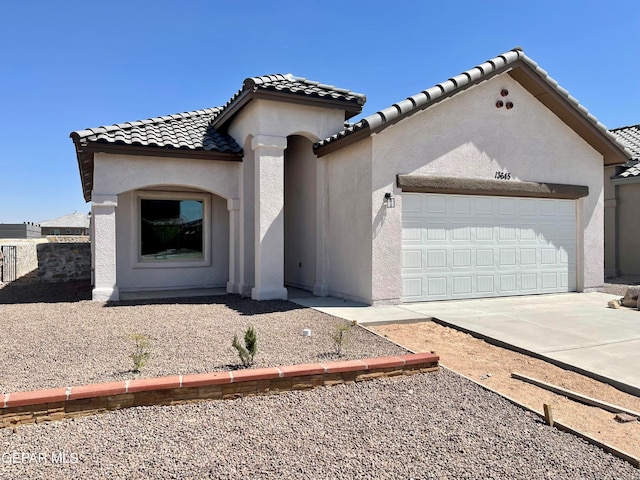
(103,216)
(233,205)
(269,217)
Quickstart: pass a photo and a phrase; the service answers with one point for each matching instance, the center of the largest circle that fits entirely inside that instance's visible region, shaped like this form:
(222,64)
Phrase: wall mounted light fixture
(390,200)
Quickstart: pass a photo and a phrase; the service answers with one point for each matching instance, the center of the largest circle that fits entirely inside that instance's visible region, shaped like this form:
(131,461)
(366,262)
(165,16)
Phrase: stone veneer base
(58,403)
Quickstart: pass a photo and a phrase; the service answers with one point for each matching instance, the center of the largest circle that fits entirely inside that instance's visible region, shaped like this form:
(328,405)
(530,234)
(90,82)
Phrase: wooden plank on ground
(575,396)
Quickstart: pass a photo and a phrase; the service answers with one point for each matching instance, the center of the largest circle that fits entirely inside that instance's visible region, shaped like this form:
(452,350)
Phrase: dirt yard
(492,366)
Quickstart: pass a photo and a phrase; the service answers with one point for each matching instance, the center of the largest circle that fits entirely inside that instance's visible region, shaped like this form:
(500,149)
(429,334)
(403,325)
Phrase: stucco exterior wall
(266,117)
(121,176)
(247,220)
(628,228)
(610,224)
(300,213)
(467,136)
(132,276)
(115,174)
(349,237)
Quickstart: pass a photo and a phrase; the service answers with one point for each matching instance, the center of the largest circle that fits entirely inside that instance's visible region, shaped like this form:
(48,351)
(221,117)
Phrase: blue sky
(71,65)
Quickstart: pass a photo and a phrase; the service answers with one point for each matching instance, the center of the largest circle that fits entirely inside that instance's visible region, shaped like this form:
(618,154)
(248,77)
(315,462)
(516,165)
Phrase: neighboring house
(488,184)
(72,224)
(622,199)
(19,230)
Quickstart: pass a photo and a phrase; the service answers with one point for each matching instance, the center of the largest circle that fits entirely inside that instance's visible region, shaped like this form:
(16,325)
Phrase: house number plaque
(503,176)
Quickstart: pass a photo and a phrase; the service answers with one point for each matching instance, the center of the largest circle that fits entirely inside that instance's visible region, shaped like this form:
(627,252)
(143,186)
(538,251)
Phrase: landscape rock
(615,303)
(624,418)
(630,298)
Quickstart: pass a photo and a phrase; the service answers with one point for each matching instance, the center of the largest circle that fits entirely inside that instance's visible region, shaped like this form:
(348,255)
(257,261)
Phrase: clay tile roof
(189,130)
(291,88)
(630,137)
(422,100)
(179,135)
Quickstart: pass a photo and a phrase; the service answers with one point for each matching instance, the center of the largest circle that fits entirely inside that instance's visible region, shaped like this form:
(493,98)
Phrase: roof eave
(350,109)
(625,180)
(340,143)
(570,112)
(85,152)
(381,125)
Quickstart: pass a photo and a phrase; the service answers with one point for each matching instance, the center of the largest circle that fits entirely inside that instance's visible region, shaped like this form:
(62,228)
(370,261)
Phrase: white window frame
(136,216)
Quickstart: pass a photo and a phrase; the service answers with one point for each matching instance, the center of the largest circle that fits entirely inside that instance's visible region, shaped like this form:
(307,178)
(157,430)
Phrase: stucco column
(269,217)
(103,216)
(321,287)
(233,285)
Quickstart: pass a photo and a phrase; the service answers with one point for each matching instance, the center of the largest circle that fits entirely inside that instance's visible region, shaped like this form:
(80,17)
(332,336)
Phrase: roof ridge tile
(458,83)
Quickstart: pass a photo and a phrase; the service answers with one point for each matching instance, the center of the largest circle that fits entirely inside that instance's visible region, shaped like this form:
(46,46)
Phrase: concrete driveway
(573,330)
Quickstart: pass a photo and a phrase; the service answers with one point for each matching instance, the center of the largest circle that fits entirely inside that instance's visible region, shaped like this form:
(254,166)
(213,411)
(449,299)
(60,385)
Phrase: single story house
(72,224)
(622,198)
(487,184)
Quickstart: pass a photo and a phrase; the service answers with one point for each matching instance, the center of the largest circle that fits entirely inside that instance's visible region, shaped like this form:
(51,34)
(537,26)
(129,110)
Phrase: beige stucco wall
(467,136)
(628,228)
(266,121)
(266,117)
(114,174)
(610,254)
(349,236)
(133,276)
(300,213)
(121,176)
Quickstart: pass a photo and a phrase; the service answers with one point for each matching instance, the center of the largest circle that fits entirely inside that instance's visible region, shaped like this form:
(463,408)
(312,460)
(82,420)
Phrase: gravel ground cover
(46,344)
(429,426)
(618,286)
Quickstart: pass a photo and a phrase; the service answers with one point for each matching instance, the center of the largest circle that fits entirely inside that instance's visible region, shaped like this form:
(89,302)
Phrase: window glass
(171,230)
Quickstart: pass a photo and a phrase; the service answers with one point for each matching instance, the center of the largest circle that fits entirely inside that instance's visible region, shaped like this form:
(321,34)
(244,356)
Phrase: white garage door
(463,246)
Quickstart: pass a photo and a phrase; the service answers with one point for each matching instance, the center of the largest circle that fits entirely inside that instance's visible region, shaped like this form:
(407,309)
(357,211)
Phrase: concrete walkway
(573,330)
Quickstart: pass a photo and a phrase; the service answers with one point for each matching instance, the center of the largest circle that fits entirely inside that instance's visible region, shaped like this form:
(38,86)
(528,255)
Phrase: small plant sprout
(248,351)
(141,352)
(340,336)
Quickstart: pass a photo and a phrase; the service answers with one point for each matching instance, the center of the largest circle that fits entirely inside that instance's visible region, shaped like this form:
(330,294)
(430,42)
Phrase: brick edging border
(58,403)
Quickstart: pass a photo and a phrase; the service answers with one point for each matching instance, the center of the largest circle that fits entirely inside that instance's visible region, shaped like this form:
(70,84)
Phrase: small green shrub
(340,336)
(141,351)
(248,351)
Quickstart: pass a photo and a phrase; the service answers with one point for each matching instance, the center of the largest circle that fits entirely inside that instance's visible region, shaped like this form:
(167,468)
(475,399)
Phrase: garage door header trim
(486,187)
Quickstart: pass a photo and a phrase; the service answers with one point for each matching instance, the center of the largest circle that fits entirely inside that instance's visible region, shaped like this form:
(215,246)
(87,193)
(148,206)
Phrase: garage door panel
(436,233)
(462,205)
(436,204)
(437,286)
(461,233)
(472,247)
(412,259)
(462,285)
(411,204)
(529,282)
(528,257)
(412,288)
(412,232)
(507,207)
(436,259)
(483,206)
(507,257)
(485,285)
(484,258)
(462,259)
